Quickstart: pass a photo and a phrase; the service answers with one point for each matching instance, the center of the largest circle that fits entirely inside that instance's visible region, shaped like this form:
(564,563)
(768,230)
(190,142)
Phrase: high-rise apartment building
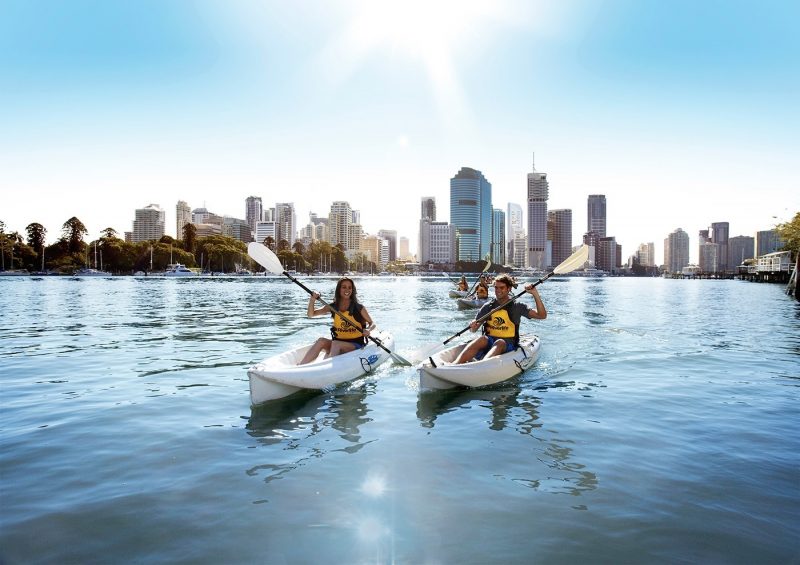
(514,228)
(183,216)
(266,229)
(471,214)
(538,191)
(287,222)
(560,228)
(237,229)
(676,251)
(740,247)
(646,254)
(428,208)
(498,236)
(148,223)
(253,211)
(607,254)
(339,220)
(596,214)
(391,237)
(442,243)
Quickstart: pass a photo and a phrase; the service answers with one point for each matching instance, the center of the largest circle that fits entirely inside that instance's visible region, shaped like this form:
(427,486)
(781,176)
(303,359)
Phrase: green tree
(36,233)
(789,232)
(189,236)
(269,241)
(298,247)
(108,233)
(73,231)
(283,245)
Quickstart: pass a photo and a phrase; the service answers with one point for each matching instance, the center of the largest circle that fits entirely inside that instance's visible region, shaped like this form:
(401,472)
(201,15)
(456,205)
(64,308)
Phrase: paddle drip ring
(368,367)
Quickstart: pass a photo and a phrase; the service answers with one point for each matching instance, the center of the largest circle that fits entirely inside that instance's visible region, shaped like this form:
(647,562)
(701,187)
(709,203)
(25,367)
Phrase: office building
(607,254)
(267,229)
(471,214)
(286,222)
(740,247)
(596,214)
(538,189)
(767,241)
(148,224)
(560,233)
(646,254)
(428,208)
(719,234)
(498,237)
(403,250)
(391,237)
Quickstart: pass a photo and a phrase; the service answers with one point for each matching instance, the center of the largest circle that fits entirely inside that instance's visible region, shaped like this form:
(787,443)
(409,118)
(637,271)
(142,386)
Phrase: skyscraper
(514,229)
(428,208)
(339,220)
(596,214)
(560,222)
(183,216)
(719,234)
(471,213)
(253,212)
(676,251)
(740,247)
(391,237)
(148,223)
(498,237)
(538,188)
(286,221)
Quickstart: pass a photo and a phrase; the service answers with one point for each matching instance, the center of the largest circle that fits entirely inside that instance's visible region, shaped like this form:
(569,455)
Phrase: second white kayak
(438,372)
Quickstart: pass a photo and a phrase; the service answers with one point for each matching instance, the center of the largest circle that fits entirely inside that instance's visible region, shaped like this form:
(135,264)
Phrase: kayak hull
(280,375)
(470,303)
(457,293)
(441,374)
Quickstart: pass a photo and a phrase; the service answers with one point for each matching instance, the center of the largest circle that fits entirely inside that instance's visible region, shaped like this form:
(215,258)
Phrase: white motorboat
(178,270)
(438,372)
(91,273)
(280,375)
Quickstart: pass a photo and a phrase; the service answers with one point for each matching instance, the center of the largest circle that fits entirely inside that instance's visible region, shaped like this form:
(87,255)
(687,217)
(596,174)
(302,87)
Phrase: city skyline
(681,115)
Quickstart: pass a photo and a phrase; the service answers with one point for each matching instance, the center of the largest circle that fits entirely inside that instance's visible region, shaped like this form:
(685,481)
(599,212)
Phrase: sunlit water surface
(659,425)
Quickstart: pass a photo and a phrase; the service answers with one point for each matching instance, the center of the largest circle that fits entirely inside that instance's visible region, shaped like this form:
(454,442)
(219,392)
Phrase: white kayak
(441,374)
(457,293)
(468,303)
(280,375)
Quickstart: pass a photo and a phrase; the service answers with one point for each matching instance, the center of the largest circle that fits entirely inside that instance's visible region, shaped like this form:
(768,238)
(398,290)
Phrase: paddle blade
(574,261)
(264,257)
(417,356)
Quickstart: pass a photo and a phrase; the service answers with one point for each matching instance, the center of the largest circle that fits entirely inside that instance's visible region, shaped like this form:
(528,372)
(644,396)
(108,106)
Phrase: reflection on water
(293,422)
(518,411)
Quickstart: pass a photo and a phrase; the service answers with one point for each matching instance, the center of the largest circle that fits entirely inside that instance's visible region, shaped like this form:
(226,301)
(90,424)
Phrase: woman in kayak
(349,331)
(462,284)
(501,329)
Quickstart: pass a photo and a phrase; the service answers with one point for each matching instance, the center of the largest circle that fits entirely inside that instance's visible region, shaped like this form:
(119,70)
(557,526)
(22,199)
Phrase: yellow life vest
(343,330)
(500,325)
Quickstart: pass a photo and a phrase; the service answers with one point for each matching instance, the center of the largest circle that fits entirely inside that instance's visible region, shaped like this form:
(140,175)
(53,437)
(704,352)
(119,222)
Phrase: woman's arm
(312,312)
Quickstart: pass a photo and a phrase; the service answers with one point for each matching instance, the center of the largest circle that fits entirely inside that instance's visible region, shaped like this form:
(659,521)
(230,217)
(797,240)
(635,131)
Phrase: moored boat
(178,270)
(438,372)
(280,375)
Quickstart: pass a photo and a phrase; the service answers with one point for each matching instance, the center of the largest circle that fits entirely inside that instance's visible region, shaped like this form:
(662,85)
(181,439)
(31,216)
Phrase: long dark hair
(338,294)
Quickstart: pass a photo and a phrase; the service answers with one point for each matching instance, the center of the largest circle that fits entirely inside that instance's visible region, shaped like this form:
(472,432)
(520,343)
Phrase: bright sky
(682,113)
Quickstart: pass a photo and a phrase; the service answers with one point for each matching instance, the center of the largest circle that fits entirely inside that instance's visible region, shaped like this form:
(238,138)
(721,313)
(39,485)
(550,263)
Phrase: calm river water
(660,425)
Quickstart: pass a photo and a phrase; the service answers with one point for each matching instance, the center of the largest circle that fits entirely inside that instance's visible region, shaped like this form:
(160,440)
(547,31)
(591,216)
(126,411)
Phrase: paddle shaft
(376,341)
(488,314)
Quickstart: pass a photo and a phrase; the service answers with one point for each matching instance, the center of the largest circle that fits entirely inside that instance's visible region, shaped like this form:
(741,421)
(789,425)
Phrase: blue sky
(681,113)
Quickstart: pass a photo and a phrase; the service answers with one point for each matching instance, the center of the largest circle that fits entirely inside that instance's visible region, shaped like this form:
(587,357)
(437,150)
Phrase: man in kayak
(501,329)
(346,335)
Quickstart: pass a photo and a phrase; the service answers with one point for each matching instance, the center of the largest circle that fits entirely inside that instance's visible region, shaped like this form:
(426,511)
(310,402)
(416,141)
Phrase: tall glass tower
(596,214)
(471,213)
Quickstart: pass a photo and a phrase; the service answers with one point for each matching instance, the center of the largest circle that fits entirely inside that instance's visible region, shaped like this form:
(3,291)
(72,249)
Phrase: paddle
(455,282)
(267,259)
(570,264)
